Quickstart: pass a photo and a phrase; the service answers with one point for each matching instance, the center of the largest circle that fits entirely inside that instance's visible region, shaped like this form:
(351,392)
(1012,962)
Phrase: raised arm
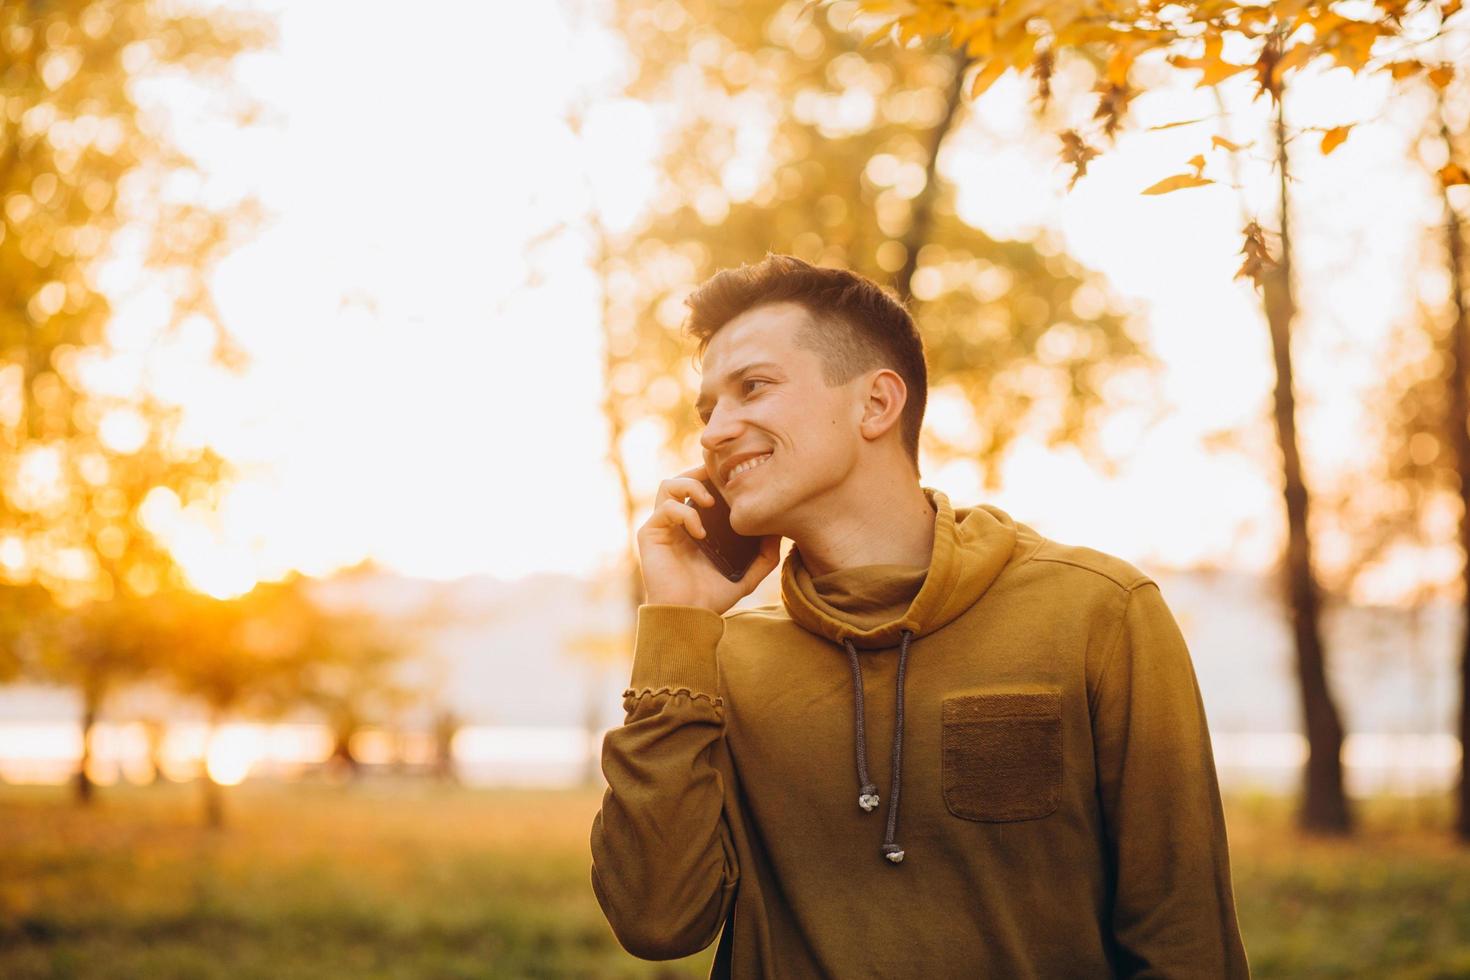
(663,866)
(1173,912)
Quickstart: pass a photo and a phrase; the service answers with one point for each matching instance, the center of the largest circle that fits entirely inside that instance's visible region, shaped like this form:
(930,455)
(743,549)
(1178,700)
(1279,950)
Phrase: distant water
(527,756)
(1393,672)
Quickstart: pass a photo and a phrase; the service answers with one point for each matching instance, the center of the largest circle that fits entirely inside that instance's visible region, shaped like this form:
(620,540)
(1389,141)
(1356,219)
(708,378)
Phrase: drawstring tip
(893,852)
(868,798)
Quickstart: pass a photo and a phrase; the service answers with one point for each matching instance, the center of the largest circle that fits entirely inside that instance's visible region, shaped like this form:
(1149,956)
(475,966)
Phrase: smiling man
(1060,815)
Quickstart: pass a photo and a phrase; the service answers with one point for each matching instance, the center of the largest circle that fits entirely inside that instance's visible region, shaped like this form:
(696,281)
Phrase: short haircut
(854,324)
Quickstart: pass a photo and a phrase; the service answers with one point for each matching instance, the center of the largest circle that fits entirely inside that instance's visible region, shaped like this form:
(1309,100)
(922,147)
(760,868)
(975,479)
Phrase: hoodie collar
(883,605)
(872,605)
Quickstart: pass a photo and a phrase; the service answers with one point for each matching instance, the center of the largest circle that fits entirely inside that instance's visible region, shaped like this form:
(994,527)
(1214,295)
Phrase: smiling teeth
(748,464)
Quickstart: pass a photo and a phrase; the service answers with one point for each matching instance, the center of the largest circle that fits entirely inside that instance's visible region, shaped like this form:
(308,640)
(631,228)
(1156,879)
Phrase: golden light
(233,752)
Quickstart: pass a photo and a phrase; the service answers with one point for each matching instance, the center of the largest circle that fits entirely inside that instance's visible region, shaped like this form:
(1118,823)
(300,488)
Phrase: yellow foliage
(1177,182)
(1215,68)
(1182,122)
(1333,138)
(986,76)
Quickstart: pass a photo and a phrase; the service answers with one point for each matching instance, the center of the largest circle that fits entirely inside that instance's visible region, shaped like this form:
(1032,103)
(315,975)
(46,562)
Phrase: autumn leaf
(1333,138)
(1233,147)
(1295,57)
(1215,68)
(1451,174)
(1042,71)
(1182,122)
(1177,182)
(1077,153)
(1352,44)
(1257,257)
(985,77)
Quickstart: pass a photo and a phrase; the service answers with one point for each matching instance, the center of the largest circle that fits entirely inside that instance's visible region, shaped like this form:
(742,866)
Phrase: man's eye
(704,419)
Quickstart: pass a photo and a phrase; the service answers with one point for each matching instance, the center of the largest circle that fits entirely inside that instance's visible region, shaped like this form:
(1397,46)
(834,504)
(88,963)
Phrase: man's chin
(746,520)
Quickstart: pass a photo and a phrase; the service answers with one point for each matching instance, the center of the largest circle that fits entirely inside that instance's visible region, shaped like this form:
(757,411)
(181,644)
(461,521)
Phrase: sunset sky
(413,400)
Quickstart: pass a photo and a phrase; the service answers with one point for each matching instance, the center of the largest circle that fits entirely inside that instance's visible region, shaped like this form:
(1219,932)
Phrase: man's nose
(723,426)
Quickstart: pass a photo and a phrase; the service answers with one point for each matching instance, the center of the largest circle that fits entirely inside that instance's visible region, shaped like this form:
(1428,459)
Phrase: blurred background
(340,361)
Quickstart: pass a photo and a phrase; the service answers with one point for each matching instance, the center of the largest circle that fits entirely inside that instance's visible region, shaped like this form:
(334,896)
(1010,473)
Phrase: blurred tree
(1279,38)
(155,730)
(28,616)
(102,645)
(447,724)
(1455,434)
(349,672)
(81,164)
(75,144)
(236,655)
(1424,400)
(1324,807)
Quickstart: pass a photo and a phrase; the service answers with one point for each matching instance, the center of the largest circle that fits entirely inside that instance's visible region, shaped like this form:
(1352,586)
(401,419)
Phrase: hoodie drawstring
(868,793)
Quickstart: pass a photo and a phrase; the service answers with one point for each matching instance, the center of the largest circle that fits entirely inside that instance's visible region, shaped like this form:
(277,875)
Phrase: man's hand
(675,571)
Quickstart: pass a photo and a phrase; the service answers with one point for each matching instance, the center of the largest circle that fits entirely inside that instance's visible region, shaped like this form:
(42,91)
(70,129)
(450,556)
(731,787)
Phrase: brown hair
(854,326)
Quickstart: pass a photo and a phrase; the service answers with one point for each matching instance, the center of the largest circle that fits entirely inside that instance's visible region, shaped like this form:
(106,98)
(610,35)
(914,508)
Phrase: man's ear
(883,399)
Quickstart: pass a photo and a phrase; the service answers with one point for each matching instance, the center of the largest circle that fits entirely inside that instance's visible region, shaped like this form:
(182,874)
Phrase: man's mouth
(746,466)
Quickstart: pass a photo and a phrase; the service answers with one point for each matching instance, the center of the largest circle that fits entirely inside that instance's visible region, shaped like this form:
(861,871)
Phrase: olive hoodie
(995,766)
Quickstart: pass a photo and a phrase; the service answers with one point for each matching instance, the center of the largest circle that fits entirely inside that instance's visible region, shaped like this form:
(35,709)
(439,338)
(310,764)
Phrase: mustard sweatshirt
(996,766)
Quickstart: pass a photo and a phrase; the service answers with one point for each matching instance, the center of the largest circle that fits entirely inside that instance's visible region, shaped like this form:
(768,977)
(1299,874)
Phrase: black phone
(731,553)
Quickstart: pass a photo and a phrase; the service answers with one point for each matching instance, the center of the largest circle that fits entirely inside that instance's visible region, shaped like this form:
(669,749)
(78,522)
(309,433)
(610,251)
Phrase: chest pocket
(1002,754)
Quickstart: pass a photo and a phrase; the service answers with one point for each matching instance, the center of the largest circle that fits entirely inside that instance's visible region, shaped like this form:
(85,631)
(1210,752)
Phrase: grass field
(410,880)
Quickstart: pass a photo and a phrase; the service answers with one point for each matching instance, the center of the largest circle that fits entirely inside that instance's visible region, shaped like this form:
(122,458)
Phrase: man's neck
(876,521)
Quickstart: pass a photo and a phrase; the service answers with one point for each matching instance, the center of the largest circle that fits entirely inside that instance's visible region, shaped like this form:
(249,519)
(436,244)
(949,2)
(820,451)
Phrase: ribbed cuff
(675,648)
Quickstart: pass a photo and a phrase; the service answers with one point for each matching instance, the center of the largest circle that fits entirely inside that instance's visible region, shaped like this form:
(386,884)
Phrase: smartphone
(731,553)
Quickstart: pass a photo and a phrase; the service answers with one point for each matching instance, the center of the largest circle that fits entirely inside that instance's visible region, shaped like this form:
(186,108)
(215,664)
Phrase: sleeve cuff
(675,648)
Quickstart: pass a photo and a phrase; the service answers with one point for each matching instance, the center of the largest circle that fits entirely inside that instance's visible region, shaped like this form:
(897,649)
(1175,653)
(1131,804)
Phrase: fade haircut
(853,324)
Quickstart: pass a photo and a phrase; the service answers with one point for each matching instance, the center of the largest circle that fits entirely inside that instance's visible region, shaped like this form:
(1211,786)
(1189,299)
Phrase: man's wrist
(675,647)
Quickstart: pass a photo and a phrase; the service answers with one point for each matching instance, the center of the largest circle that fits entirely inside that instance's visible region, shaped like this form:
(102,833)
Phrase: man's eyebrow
(704,399)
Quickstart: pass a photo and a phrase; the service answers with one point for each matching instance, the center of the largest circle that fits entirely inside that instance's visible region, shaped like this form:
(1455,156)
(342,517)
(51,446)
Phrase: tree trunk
(214,804)
(1457,380)
(91,707)
(342,758)
(1324,807)
(156,730)
(923,217)
(446,725)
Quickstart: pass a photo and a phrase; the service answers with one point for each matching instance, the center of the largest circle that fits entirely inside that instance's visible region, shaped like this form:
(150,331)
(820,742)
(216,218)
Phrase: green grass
(397,880)
(412,880)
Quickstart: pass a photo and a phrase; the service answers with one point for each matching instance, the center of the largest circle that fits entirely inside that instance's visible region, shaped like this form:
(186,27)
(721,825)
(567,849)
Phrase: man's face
(764,395)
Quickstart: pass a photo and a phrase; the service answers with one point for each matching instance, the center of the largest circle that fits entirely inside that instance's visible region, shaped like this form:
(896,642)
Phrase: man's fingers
(679,487)
(672,512)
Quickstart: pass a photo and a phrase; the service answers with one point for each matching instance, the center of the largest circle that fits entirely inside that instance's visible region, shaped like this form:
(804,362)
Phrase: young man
(1030,705)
